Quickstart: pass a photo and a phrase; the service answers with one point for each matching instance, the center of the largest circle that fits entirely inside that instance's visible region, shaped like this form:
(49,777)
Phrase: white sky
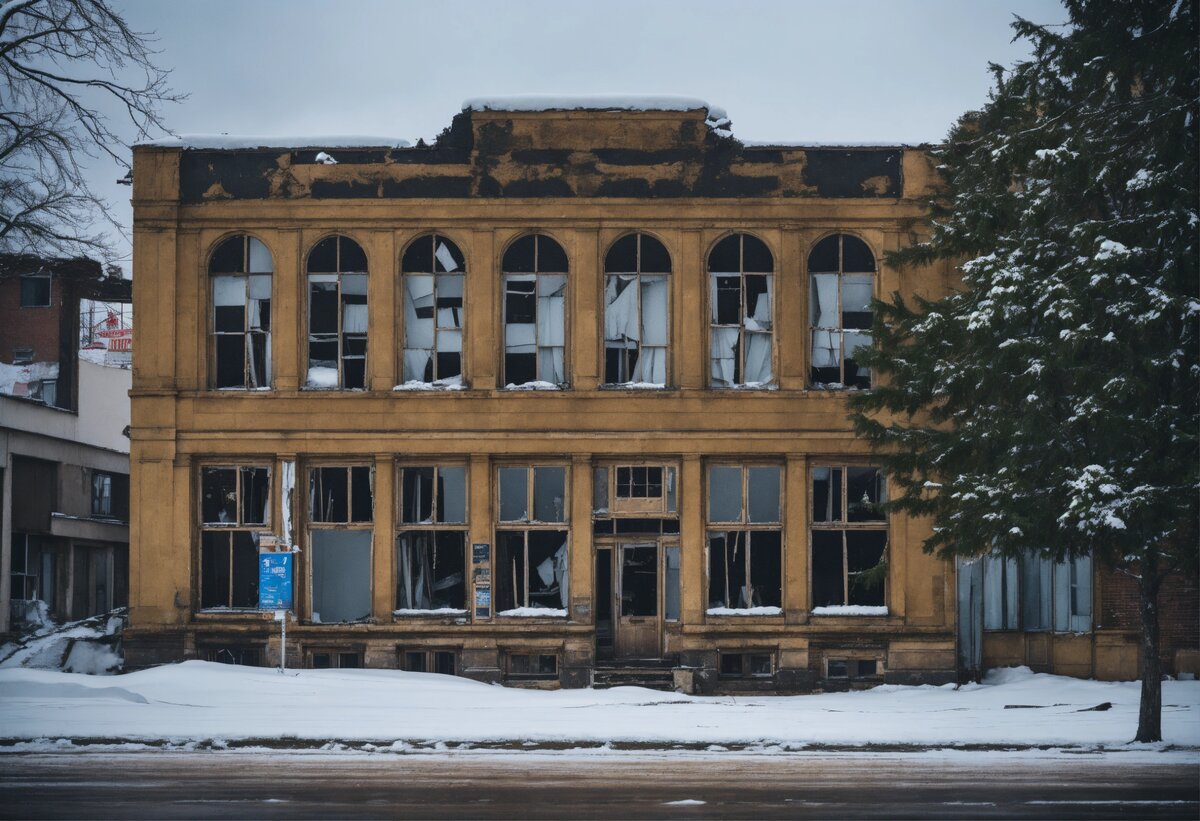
(789,70)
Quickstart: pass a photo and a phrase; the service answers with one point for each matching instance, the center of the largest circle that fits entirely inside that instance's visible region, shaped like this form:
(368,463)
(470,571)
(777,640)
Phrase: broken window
(340,512)
(337,315)
(433,282)
(35,290)
(740,296)
(1032,592)
(240,271)
(635,311)
(535,289)
(431,545)
(853,669)
(841,272)
(234,507)
(531,563)
(745,537)
(849,536)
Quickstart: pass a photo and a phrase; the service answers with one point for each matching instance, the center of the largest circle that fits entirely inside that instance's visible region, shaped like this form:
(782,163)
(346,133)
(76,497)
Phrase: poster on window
(275,581)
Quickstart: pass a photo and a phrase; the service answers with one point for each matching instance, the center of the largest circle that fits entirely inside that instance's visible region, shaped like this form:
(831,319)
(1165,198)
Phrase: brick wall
(37,328)
(1178,607)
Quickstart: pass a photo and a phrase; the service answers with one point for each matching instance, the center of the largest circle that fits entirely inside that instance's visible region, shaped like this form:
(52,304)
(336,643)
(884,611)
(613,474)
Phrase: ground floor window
(247,656)
(853,669)
(334,659)
(844,567)
(745,569)
(531,571)
(1033,592)
(341,575)
(228,569)
(431,570)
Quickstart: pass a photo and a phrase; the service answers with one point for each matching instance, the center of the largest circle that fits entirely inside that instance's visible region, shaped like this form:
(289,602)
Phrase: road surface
(244,784)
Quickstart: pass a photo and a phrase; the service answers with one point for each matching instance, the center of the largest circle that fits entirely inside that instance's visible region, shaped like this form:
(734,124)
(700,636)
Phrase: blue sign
(275,581)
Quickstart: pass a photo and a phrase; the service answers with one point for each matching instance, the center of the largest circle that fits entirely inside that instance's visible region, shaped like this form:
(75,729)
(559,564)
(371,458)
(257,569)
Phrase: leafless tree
(63,63)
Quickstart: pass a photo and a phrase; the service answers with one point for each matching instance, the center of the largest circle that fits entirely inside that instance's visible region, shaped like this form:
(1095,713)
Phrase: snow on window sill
(748,386)
(242,389)
(635,386)
(436,611)
(454,383)
(849,610)
(235,611)
(744,611)
(535,612)
(533,386)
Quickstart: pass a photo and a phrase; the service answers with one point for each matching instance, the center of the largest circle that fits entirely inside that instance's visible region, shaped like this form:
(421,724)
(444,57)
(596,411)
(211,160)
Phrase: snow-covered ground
(199,701)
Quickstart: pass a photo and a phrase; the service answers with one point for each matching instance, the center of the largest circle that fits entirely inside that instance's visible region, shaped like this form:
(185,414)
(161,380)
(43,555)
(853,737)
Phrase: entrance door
(636,605)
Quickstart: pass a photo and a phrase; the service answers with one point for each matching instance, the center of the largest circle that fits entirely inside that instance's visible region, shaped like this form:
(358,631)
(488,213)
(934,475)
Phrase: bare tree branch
(61,63)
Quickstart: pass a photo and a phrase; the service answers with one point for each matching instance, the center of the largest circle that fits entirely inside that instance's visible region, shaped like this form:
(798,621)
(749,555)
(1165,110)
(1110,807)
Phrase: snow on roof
(595,102)
(819,144)
(226,141)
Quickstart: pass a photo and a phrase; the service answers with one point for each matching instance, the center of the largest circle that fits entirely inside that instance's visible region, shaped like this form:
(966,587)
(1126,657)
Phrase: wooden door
(638,593)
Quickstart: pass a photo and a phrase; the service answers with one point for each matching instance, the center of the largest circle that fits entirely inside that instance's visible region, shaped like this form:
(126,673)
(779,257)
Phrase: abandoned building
(558,398)
(64,450)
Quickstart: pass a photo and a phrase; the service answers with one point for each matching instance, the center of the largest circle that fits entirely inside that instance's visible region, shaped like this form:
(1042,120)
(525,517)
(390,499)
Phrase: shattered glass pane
(418,257)
(866,489)
(218,494)
(654,311)
(256,496)
(416,496)
(827,494)
(549,494)
(856,301)
(447,256)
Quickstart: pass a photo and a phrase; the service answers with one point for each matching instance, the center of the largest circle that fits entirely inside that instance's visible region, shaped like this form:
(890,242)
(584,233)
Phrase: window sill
(441,614)
(756,612)
(851,610)
(223,613)
(533,613)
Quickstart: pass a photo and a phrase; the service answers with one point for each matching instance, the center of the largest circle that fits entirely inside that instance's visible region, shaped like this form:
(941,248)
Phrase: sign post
(275,586)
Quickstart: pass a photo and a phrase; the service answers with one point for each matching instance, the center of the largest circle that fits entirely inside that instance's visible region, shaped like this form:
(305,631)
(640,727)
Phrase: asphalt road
(171,785)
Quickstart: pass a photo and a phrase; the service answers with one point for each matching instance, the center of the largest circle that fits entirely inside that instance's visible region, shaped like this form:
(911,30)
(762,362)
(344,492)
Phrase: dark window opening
(533,665)
(337,315)
(531,570)
(639,580)
(340,494)
(853,669)
(241,270)
(742,315)
(745,569)
(735,664)
(431,570)
(335,659)
(234,654)
(442,662)
(841,286)
(35,291)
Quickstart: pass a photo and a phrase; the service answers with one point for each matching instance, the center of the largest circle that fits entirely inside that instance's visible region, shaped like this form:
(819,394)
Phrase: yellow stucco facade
(583,179)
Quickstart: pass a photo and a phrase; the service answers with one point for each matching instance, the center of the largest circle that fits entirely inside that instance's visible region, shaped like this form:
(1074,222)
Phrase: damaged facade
(559,395)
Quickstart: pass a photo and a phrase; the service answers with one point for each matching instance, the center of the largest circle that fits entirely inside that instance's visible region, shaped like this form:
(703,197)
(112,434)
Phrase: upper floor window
(636,333)
(740,268)
(433,269)
(35,291)
(841,271)
(337,315)
(240,269)
(535,290)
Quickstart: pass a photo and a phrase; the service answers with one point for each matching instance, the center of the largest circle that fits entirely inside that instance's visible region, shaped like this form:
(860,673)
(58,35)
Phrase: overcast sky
(789,70)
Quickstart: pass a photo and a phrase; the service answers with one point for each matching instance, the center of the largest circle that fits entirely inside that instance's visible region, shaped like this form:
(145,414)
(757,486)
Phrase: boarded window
(1032,592)
(841,272)
(535,290)
(234,507)
(742,313)
(848,536)
(240,271)
(433,283)
(636,328)
(337,315)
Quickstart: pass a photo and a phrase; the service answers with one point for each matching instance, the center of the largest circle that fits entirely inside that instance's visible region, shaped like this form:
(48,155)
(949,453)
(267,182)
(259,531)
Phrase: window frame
(636,507)
(401,528)
(744,525)
(530,525)
(36,277)
(106,493)
(509,675)
(1058,597)
(349,524)
(844,526)
(245,276)
(230,528)
(739,382)
(536,276)
(841,273)
(341,337)
(402,305)
(638,274)
(430,654)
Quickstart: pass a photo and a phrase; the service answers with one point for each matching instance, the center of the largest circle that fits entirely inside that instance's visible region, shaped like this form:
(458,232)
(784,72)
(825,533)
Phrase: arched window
(841,271)
(337,315)
(636,333)
(535,290)
(740,268)
(240,269)
(432,269)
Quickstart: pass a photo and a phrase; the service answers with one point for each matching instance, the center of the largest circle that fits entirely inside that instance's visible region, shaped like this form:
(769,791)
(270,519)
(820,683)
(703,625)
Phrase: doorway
(629,599)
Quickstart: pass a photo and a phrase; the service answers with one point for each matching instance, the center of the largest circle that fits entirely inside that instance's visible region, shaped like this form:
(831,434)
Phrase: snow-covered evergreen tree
(1051,404)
